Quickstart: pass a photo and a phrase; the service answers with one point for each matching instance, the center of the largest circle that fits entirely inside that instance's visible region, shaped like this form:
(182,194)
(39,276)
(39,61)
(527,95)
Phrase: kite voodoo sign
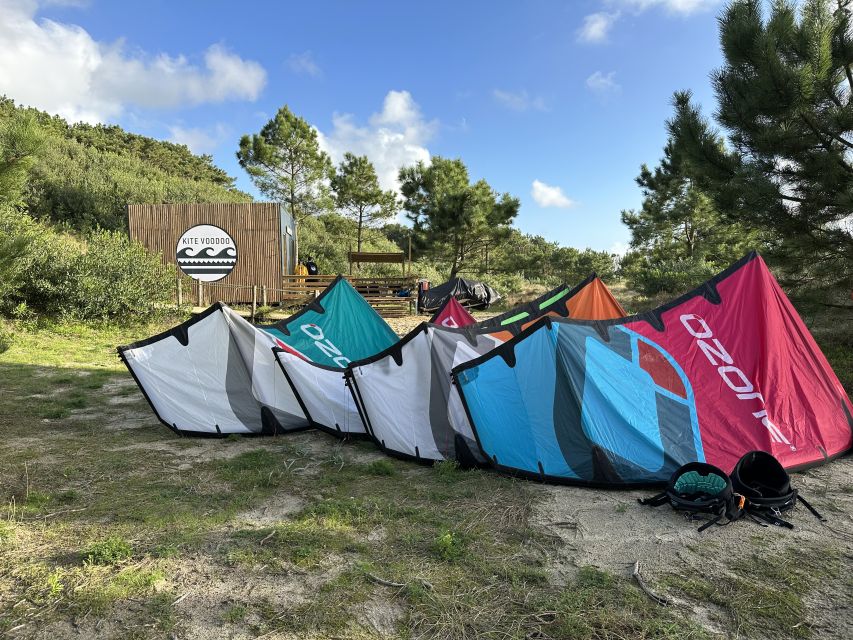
(206,252)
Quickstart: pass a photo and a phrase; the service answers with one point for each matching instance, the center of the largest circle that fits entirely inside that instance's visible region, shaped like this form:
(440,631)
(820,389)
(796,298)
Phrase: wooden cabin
(231,248)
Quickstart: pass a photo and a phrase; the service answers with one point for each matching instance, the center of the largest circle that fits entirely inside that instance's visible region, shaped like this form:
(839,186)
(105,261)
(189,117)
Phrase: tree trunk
(295,226)
(360,223)
(454,269)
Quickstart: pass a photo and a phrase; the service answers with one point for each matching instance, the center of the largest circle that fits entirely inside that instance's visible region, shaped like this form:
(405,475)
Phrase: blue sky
(557,103)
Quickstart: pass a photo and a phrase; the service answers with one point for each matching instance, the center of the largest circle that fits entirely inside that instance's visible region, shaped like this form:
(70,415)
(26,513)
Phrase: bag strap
(770,519)
(810,508)
(655,501)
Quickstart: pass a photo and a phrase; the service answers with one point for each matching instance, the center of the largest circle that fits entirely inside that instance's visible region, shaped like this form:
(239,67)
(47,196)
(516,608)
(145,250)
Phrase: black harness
(724,504)
(765,484)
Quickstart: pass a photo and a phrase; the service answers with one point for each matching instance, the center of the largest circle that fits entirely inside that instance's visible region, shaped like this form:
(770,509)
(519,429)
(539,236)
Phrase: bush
(53,272)
(110,551)
(667,276)
(116,278)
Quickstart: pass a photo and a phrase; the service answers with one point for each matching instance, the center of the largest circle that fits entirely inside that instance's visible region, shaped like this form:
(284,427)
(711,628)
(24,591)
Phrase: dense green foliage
(85,176)
(359,196)
(104,277)
(93,274)
(328,238)
(454,218)
(678,237)
(785,100)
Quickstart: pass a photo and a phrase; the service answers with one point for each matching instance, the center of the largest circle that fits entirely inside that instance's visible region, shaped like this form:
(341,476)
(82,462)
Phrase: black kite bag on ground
(700,488)
(760,478)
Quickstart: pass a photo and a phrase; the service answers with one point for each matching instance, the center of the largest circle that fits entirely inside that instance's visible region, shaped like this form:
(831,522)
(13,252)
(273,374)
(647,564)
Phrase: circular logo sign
(206,253)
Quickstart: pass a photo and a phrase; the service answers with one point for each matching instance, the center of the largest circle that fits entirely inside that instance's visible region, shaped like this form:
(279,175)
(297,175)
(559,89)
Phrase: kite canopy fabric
(469,292)
(214,374)
(589,300)
(322,394)
(337,328)
(452,314)
(316,344)
(405,396)
(725,369)
(404,393)
(218,374)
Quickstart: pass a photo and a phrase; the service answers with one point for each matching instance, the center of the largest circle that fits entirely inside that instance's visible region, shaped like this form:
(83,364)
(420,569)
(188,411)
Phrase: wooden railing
(382,293)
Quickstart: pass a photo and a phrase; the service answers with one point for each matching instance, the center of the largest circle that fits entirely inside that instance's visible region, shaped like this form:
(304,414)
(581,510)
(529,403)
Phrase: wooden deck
(381,293)
(297,291)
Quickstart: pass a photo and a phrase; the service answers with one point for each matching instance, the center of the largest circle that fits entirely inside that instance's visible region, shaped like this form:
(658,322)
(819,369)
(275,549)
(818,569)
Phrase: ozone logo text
(733,376)
(325,345)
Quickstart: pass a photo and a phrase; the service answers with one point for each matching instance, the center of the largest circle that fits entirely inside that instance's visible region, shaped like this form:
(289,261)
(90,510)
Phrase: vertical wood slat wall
(254,226)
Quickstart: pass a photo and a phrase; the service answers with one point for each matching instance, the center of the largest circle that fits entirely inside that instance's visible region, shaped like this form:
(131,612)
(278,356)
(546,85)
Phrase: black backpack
(700,488)
(765,484)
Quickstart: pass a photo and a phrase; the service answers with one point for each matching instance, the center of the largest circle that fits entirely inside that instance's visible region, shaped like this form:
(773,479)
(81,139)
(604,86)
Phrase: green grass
(113,550)
(764,596)
(101,520)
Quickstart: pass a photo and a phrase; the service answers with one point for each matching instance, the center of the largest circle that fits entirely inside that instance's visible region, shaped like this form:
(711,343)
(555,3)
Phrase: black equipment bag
(700,488)
(761,479)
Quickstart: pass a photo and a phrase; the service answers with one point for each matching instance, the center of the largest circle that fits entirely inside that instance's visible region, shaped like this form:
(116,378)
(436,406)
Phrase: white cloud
(60,68)
(546,195)
(596,26)
(199,140)
(619,248)
(602,83)
(684,7)
(303,63)
(392,138)
(519,100)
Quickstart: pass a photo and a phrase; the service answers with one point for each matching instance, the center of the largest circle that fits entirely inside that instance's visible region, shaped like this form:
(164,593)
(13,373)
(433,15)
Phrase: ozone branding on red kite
(719,357)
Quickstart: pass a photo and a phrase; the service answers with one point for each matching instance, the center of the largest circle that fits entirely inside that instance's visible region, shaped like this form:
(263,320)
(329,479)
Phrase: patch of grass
(597,604)
(380,468)
(54,413)
(110,551)
(447,470)
(764,596)
(235,613)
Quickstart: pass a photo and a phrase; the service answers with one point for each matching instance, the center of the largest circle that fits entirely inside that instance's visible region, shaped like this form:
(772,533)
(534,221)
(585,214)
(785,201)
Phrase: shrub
(448,546)
(110,551)
(116,278)
(52,272)
(668,276)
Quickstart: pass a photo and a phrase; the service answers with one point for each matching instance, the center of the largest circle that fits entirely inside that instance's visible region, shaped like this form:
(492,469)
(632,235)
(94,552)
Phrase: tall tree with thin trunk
(678,221)
(451,215)
(359,196)
(286,163)
(785,101)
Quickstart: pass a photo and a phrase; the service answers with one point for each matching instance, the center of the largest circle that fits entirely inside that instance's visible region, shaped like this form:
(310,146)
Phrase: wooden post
(264,295)
(254,301)
(180,293)
(410,254)
(200,294)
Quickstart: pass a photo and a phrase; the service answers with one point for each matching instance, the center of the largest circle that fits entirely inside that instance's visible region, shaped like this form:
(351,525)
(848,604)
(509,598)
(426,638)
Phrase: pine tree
(286,163)
(359,196)
(784,101)
(457,218)
(678,221)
